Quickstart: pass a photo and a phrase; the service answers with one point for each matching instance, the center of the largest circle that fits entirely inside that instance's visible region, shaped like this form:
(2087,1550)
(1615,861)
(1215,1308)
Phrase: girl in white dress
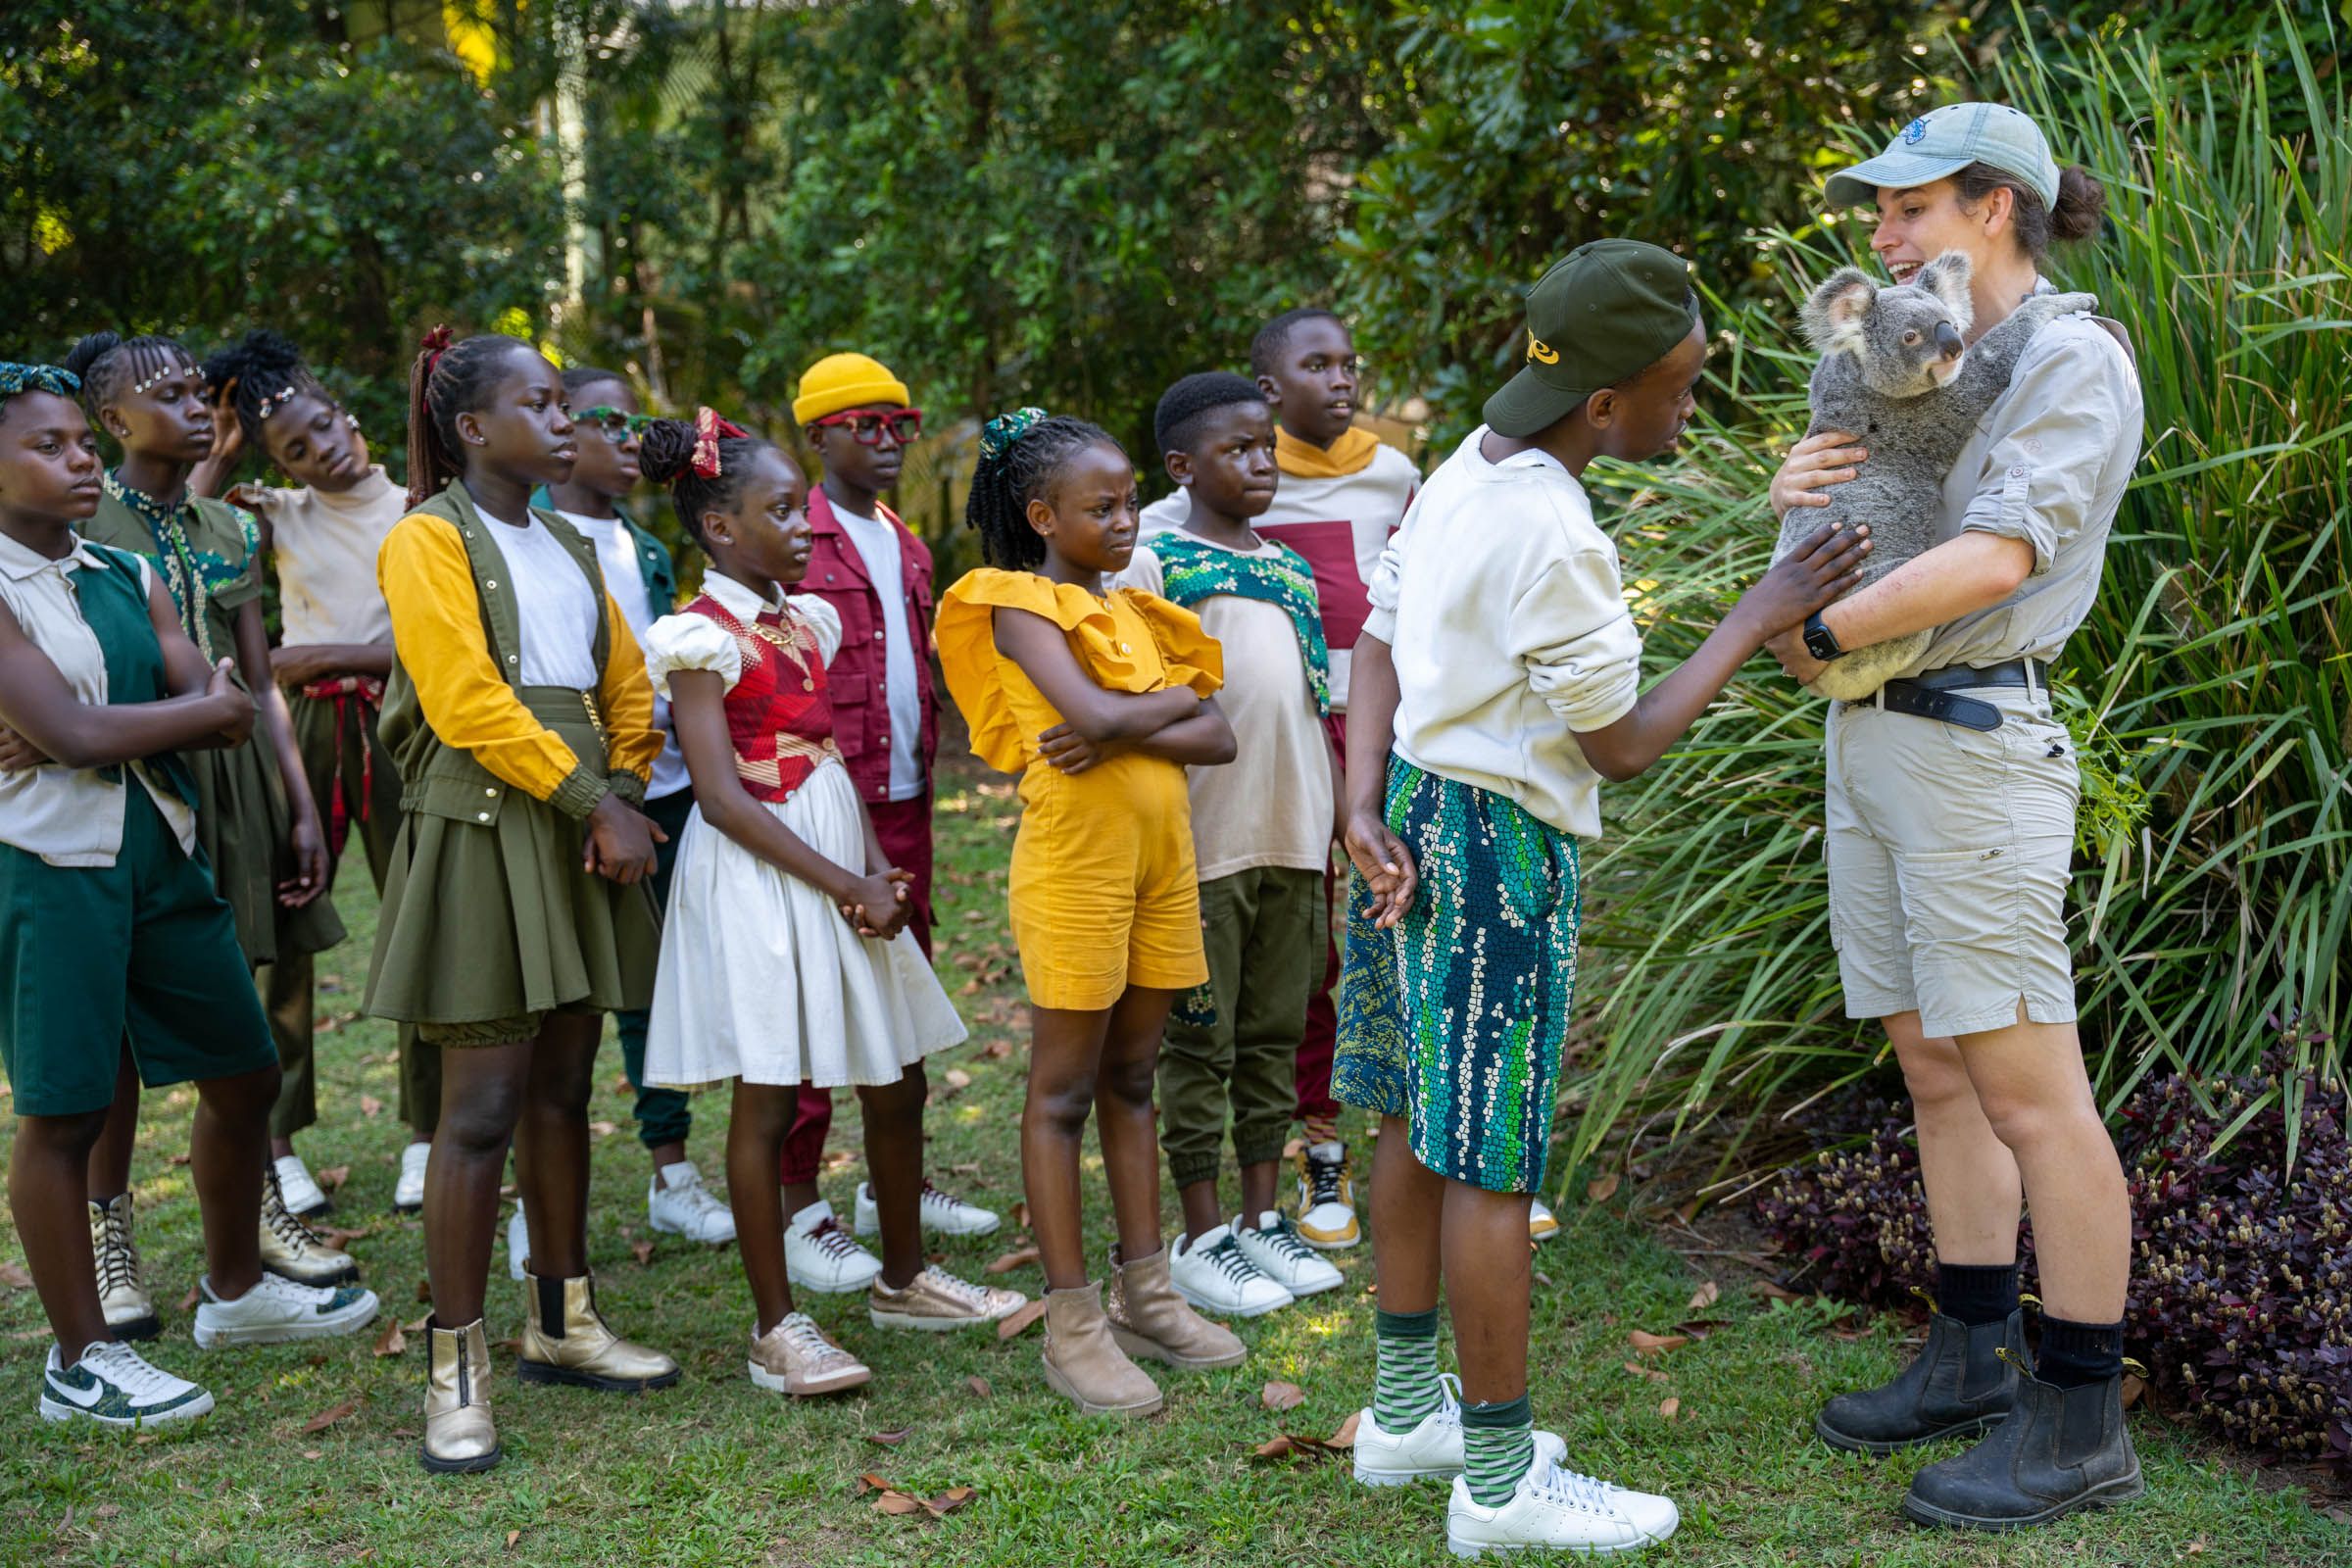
(784,957)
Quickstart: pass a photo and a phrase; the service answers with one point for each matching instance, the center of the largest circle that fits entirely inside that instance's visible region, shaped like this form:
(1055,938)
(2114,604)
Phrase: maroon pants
(904,829)
(1311,1072)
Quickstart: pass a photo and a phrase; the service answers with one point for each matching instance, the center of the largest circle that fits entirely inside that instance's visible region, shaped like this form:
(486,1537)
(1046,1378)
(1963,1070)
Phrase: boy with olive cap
(1496,685)
(873,569)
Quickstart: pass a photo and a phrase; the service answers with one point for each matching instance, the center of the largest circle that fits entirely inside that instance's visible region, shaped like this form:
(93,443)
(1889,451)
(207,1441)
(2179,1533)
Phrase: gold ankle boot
(459,1433)
(566,1341)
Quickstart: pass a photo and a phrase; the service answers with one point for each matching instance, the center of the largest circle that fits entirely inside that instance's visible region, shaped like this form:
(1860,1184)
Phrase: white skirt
(762,979)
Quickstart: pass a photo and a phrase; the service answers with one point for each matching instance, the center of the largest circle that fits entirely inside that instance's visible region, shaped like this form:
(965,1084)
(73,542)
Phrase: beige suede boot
(459,1433)
(1084,1366)
(1147,1318)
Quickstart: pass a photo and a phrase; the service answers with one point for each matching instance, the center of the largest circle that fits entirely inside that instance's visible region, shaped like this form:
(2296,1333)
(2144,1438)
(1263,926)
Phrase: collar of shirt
(737,600)
(19,562)
(1530,458)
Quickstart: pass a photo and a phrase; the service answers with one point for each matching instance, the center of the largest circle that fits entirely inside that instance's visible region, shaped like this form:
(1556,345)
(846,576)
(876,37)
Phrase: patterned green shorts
(1455,1018)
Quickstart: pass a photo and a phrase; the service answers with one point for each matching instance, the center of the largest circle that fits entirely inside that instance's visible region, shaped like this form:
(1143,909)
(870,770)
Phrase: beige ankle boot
(566,1341)
(1084,1366)
(1147,1318)
(459,1433)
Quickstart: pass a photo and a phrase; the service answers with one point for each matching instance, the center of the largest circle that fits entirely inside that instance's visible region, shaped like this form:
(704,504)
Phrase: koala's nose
(1947,339)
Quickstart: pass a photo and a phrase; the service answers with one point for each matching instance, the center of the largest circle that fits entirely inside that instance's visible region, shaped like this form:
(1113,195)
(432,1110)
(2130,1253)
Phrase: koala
(1895,372)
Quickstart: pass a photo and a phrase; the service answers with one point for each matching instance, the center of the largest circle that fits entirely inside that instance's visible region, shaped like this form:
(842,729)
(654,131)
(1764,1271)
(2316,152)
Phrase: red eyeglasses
(867,424)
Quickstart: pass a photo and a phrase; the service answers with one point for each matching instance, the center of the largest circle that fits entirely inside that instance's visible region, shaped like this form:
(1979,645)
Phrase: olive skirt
(244,824)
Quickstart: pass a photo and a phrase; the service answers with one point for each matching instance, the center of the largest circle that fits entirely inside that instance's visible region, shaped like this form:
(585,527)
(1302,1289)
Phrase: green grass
(715,1472)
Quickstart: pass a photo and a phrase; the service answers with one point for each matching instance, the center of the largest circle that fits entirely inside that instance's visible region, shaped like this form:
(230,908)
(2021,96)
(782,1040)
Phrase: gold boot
(1147,1318)
(566,1341)
(459,1433)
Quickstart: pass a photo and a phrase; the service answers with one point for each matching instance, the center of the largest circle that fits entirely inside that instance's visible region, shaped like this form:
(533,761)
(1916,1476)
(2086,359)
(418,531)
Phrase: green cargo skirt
(244,826)
(489,921)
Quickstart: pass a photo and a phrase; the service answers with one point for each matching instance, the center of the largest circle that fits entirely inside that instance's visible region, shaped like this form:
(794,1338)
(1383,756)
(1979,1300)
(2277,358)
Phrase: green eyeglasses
(617,425)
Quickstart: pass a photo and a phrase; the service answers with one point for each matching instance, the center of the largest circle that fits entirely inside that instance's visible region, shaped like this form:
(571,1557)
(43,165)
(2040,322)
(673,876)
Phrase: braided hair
(1022,455)
(269,373)
(665,456)
(449,379)
(109,364)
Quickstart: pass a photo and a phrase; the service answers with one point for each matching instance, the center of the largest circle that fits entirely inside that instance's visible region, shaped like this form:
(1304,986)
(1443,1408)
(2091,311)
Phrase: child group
(577,798)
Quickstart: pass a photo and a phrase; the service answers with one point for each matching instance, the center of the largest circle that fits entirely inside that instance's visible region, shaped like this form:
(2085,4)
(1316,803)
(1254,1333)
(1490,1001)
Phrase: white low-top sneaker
(301,1191)
(407,1195)
(820,1256)
(1273,1243)
(1558,1509)
(519,1242)
(1541,1224)
(277,1310)
(1215,1274)
(113,1385)
(942,1213)
(677,1203)
(1431,1450)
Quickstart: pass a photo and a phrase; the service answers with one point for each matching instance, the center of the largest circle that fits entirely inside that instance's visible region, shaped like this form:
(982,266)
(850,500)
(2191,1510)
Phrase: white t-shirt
(624,580)
(1502,608)
(1271,805)
(324,549)
(877,545)
(554,604)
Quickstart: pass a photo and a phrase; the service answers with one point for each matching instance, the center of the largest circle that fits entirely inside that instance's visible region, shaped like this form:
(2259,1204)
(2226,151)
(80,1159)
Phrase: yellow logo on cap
(1540,351)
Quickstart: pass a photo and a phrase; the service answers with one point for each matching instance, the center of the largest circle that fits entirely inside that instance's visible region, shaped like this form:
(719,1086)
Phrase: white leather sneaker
(519,1242)
(942,1213)
(1558,1509)
(113,1385)
(819,1254)
(1541,1224)
(277,1310)
(407,1195)
(1215,1274)
(1273,1243)
(677,1203)
(1433,1450)
(303,1195)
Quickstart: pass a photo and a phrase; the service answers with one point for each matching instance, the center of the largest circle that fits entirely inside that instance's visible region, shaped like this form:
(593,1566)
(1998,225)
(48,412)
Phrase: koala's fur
(1891,375)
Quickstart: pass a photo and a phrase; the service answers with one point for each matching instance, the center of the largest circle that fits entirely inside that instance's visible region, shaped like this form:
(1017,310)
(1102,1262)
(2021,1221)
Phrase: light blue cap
(1944,141)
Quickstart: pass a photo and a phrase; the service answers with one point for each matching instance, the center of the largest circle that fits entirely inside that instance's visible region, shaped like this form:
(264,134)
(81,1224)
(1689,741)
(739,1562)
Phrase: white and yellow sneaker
(1326,1197)
(1541,1224)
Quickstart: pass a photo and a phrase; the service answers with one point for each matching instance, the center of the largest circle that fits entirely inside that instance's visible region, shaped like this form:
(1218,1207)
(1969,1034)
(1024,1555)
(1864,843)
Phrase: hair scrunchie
(435,344)
(998,436)
(16,379)
(707,428)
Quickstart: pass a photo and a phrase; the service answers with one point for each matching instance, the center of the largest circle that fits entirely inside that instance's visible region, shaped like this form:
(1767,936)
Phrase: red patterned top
(778,712)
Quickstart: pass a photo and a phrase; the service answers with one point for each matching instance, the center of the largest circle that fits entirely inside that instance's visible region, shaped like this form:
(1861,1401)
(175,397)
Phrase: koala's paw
(1861,672)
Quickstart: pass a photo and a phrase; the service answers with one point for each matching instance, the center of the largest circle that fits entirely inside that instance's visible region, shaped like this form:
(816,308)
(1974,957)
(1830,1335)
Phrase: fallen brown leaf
(979,1386)
(2133,1386)
(1280,1396)
(1018,1258)
(1649,1343)
(643,1252)
(897,1502)
(1345,1437)
(1603,1188)
(620,1085)
(1779,1292)
(1668,1406)
(1278,1446)
(330,1415)
(1652,1373)
(393,1341)
(890,1439)
(313,1453)
(370,1107)
(1021,1215)
(13,1276)
(187,1302)
(997,1049)
(1705,1297)
(948,1501)
(957,1078)
(181,1158)
(332,1178)
(513,1536)
(1019,1323)
(424,1292)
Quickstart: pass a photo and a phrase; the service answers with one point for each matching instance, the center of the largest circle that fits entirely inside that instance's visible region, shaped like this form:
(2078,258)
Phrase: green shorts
(144,949)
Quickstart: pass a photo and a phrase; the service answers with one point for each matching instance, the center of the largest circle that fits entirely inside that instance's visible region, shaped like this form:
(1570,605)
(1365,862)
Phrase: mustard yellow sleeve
(437,634)
(626,695)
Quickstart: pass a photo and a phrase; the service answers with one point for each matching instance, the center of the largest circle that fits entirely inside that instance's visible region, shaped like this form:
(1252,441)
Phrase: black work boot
(2060,1449)
(1958,1388)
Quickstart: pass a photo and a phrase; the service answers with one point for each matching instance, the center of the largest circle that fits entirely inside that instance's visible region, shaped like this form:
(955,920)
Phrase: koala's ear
(1832,316)
(1946,277)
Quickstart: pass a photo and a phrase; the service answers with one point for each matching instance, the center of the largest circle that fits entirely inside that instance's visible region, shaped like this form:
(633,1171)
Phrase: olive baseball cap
(1942,143)
(1603,312)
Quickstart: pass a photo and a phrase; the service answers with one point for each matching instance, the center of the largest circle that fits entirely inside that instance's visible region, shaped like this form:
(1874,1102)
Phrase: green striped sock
(1498,1446)
(1405,1382)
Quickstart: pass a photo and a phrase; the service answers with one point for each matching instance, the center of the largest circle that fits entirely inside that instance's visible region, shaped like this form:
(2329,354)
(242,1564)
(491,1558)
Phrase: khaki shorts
(1949,853)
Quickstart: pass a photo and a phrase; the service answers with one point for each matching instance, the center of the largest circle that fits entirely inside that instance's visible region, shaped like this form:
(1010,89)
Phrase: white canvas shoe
(407,1195)
(1558,1509)
(1215,1274)
(819,1254)
(277,1310)
(942,1213)
(1273,1245)
(303,1195)
(677,1203)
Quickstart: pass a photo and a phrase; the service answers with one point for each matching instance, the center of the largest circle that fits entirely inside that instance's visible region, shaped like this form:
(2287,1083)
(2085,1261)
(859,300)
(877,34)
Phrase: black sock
(1976,1292)
(2073,1354)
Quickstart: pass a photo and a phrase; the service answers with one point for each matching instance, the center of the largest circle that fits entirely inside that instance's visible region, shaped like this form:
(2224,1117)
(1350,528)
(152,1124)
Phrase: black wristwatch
(1820,640)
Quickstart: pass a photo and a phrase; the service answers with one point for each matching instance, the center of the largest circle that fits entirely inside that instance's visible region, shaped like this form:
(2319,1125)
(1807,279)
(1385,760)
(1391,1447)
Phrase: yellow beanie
(841,382)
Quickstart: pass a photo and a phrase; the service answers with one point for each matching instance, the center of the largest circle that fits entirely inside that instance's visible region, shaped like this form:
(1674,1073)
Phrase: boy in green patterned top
(1261,827)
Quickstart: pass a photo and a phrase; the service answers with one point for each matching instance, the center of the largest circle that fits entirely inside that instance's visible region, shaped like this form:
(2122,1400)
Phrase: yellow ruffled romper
(1104,888)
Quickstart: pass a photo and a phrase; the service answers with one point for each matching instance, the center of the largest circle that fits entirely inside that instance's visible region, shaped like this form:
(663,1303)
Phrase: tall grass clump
(2210,690)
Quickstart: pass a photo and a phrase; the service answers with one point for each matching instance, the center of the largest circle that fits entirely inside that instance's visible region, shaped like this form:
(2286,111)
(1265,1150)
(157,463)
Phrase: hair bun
(666,451)
(89,351)
(2081,205)
(998,434)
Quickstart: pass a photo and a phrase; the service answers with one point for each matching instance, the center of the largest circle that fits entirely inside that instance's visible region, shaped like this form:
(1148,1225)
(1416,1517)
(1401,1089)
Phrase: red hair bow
(436,343)
(707,428)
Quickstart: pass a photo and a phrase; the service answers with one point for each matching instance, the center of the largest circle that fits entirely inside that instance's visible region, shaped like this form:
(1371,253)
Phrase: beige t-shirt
(324,548)
(1271,805)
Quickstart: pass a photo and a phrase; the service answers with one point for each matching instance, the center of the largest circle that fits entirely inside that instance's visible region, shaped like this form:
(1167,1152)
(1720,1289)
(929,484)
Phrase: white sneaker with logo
(1541,1224)
(277,1310)
(408,1194)
(677,1203)
(820,1256)
(303,1195)
(518,1242)
(1558,1509)
(942,1213)
(1432,1449)
(113,1385)
(1273,1245)
(1215,1274)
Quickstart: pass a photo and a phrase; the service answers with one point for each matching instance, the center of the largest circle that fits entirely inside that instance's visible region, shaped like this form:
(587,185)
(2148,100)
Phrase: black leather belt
(1936,693)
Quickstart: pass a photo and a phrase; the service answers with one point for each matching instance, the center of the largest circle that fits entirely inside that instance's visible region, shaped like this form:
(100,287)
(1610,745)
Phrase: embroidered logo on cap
(1542,352)
(1916,131)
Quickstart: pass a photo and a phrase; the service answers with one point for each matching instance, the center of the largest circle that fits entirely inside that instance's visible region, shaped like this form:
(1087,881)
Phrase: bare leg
(551,1143)
(668,1154)
(1487,1282)
(894,1164)
(1257,1187)
(1201,1209)
(481,1096)
(47,1175)
(1125,1118)
(1407,1201)
(1064,1050)
(1973,1191)
(227,1151)
(110,1155)
(754,1140)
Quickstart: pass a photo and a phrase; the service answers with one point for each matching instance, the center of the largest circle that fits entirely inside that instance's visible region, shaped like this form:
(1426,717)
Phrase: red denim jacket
(860,709)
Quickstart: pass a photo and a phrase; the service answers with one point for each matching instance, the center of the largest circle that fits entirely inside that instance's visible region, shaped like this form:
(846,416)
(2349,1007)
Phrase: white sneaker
(1216,1275)
(303,1195)
(277,1310)
(1274,1245)
(1541,1224)
(1558,1509)
(677,1203)
(942,1213)
(1326,1197)
(113,1385)
(519,1242)
(408,1196)
(819,1254)
(1432,1449)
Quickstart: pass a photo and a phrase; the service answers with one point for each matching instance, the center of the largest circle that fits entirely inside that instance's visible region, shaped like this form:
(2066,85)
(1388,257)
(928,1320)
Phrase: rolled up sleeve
(1572,632)
(2070,406)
